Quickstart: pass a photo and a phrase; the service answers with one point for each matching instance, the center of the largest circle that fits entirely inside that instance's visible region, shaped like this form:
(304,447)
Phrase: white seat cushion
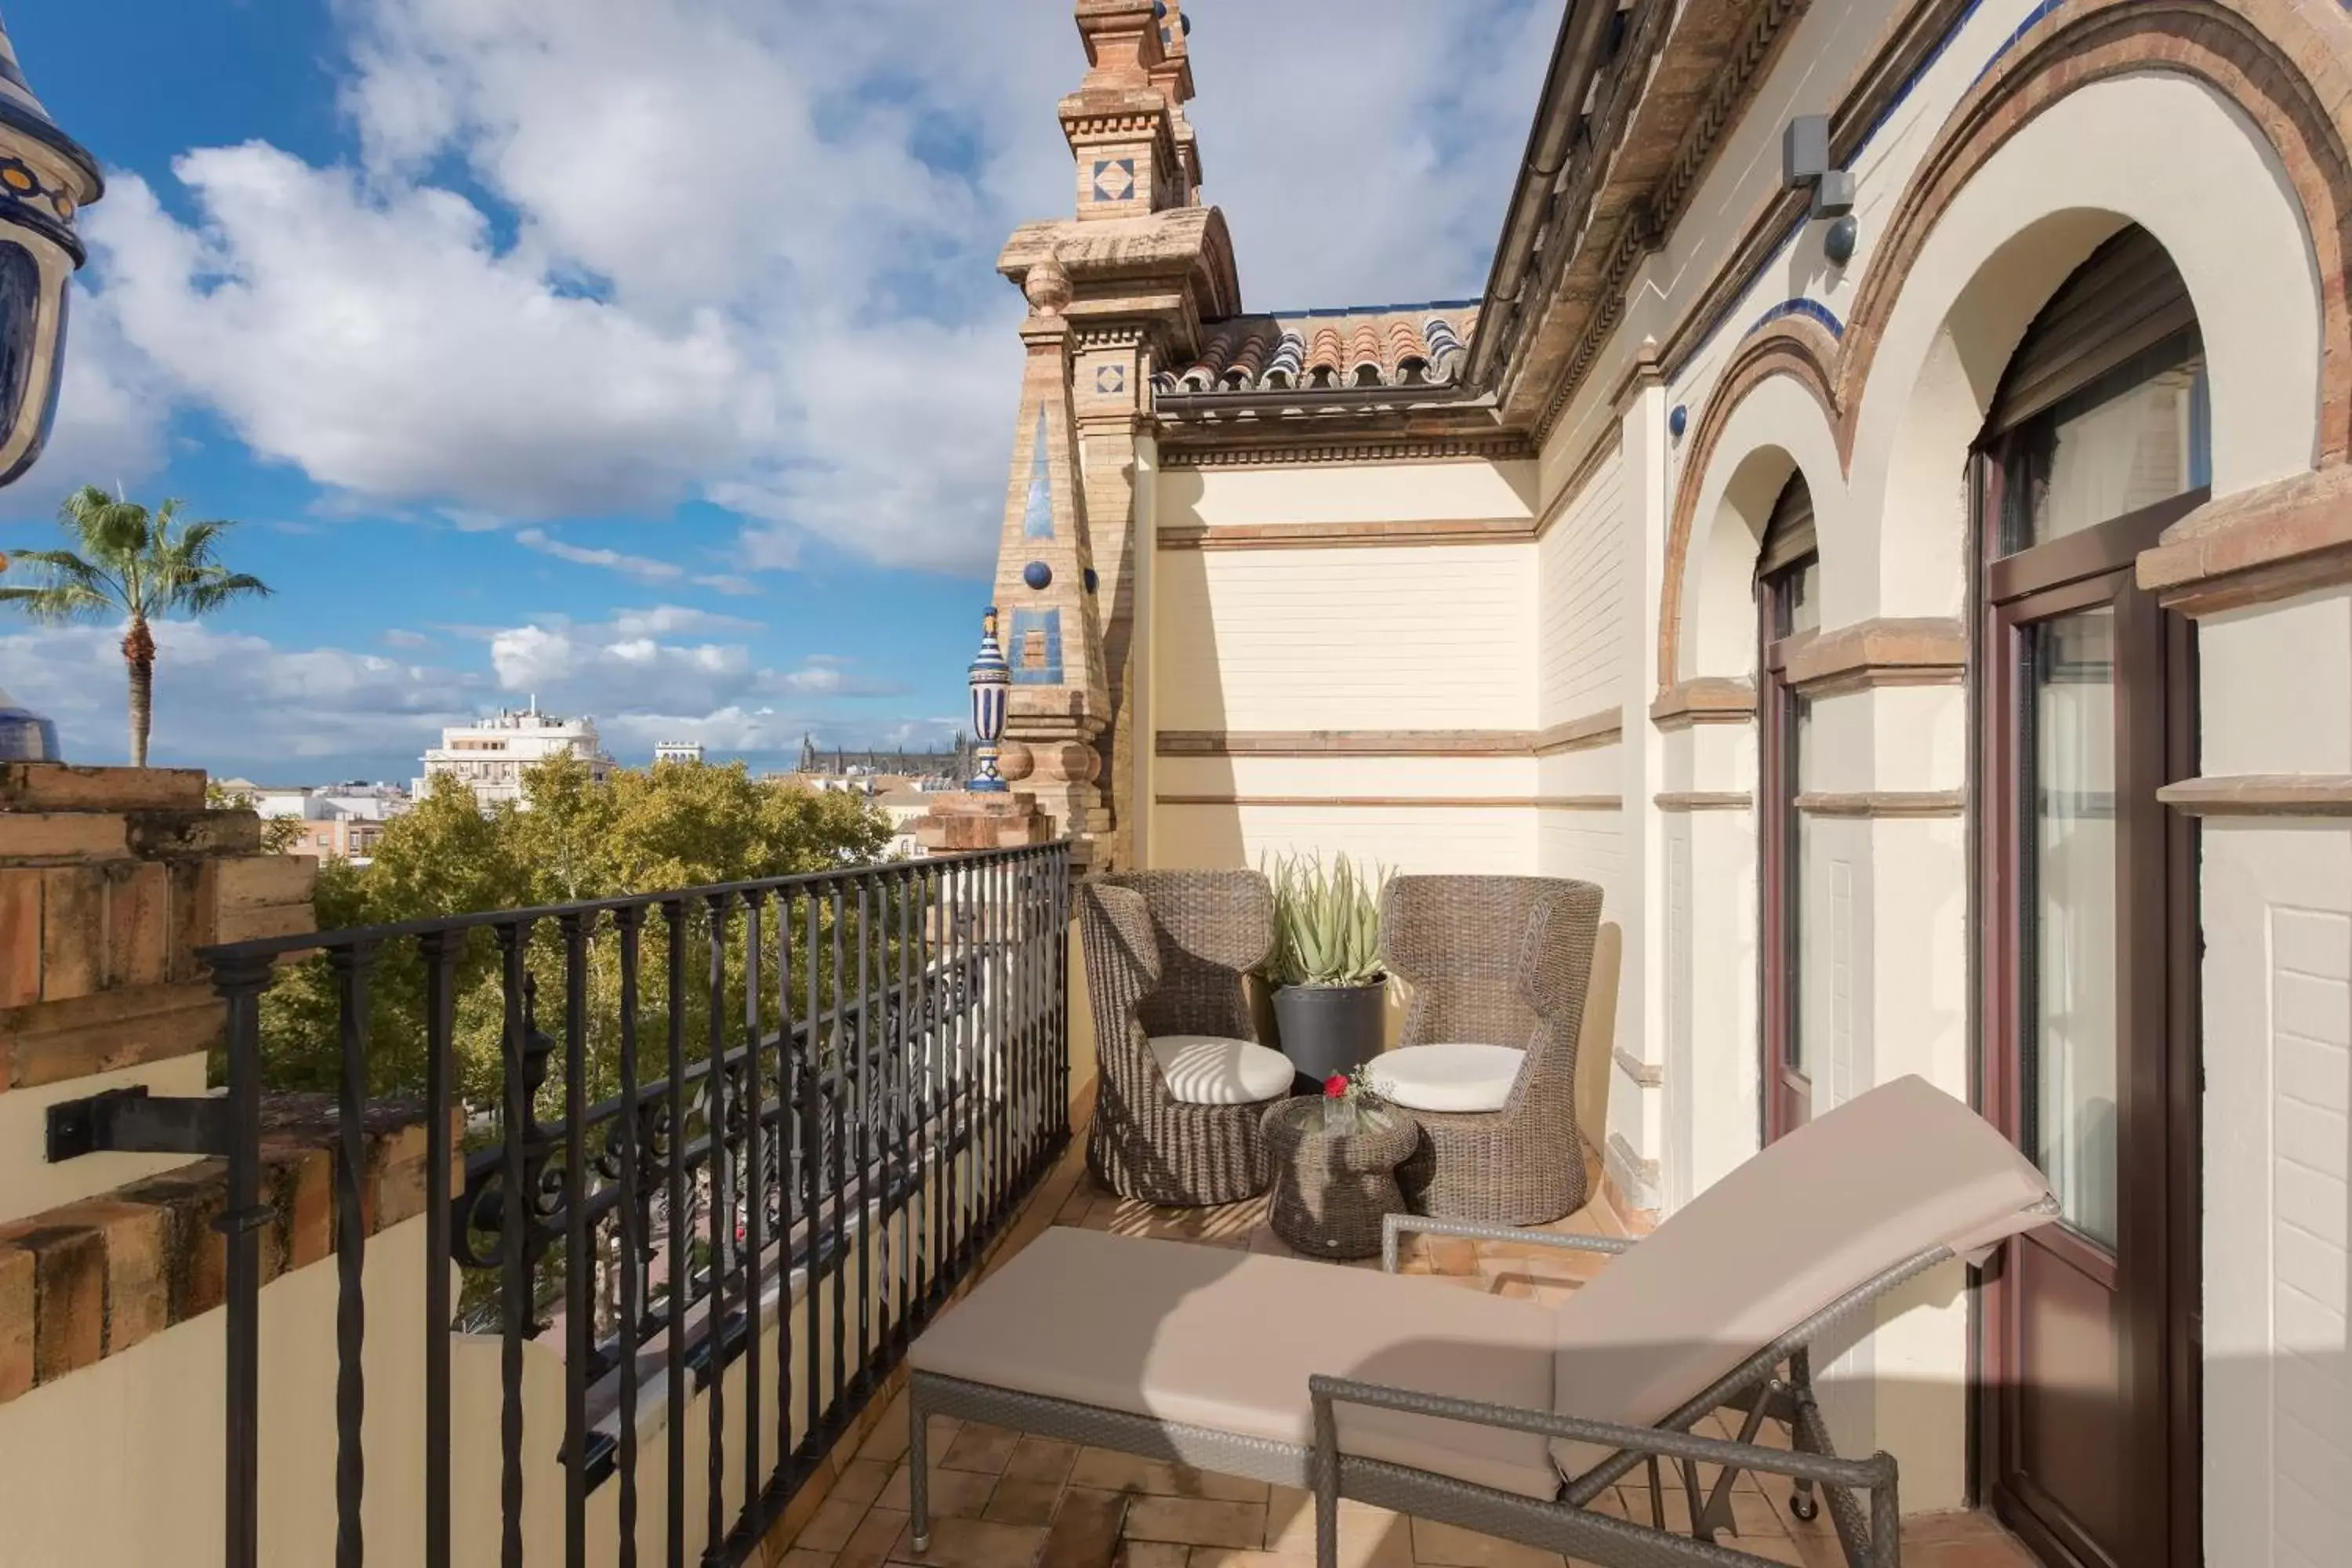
(1203,1336)
(1202,1069)
(1447,1078)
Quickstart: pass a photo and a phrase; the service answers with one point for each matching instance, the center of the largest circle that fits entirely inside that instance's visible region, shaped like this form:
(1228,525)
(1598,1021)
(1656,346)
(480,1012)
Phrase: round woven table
(1334,1174)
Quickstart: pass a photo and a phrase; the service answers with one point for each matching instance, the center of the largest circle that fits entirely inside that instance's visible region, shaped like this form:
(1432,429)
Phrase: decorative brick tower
(1115,291)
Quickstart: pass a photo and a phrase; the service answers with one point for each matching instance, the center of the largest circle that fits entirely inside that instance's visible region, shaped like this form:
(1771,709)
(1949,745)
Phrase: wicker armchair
(1166,955)
(1496,961)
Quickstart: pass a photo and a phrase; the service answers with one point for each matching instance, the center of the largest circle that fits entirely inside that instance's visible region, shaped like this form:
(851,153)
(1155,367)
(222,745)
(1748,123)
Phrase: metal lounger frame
(1564,1524)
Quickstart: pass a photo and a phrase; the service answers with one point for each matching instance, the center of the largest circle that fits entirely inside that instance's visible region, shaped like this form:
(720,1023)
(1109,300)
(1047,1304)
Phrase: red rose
(1336,1086)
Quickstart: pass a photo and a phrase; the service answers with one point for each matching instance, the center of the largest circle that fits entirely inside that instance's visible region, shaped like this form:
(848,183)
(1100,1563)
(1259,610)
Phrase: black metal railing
(777,1140)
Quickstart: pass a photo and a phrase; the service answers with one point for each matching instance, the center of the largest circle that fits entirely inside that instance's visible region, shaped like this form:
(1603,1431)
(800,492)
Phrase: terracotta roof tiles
(1391,345)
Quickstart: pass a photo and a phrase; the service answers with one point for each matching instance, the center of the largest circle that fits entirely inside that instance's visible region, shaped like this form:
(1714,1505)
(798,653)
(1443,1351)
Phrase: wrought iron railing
(826,1091)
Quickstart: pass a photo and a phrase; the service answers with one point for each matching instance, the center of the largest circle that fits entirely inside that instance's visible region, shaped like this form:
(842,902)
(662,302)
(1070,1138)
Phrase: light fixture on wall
(1805,165)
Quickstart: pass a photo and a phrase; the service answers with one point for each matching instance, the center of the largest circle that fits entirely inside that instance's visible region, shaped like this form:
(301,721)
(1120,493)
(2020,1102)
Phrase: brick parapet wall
(112,880)
(89,1279)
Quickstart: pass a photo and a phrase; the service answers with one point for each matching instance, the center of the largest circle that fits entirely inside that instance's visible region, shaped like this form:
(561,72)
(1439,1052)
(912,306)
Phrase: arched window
(2105,409)
(2099,436)
(1788,612)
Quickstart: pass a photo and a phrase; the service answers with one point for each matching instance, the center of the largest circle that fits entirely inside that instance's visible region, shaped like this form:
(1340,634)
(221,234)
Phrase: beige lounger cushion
(1880,1179)
(1203,1336)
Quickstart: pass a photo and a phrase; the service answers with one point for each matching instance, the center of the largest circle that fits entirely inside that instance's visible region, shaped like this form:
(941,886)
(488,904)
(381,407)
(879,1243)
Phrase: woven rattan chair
(1166,954)
(1496,961)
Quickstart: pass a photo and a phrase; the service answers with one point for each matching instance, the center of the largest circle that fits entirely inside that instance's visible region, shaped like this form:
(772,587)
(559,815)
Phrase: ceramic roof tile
(1394,345)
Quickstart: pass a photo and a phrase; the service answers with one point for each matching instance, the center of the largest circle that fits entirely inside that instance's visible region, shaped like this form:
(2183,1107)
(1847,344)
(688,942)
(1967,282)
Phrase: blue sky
(644,355)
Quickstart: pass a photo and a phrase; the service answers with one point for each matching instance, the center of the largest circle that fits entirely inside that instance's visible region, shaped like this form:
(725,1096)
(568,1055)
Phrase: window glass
(2082,465)
(2070,1023)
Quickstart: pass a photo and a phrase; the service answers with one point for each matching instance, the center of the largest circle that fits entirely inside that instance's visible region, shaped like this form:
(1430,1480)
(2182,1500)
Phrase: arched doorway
(1787,614)
(2098,438)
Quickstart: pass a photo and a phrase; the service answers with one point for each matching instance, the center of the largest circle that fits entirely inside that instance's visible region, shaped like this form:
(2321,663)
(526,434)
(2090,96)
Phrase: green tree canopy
(646,831)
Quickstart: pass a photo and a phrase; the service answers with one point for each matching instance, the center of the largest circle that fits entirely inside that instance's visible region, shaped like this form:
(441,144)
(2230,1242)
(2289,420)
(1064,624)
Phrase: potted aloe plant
(1326,964)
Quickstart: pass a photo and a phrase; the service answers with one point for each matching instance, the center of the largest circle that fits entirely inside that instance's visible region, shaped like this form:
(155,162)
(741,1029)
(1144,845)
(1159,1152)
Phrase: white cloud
(644,568)
(827,677)
(742,252)
(375,338)
(223,695)
(237,703)
(668,620)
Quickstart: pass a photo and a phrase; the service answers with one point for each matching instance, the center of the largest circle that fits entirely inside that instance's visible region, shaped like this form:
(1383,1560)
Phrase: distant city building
(490,757)
(677,751)
(951,767)
(904,806)
(339,822)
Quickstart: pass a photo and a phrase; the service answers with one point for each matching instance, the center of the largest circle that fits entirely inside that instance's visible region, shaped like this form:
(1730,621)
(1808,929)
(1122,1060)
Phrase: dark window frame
(2159,944)
(1789,550)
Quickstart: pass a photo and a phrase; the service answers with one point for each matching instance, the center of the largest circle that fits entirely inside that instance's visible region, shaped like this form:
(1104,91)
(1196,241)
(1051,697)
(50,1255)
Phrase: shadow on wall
(1188,693)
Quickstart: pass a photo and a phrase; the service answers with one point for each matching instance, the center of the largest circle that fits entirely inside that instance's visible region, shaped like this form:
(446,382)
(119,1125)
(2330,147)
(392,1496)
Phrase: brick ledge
(90,1279)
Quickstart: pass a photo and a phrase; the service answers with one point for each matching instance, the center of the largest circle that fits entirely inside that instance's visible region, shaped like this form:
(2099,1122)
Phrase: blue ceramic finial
(992,683)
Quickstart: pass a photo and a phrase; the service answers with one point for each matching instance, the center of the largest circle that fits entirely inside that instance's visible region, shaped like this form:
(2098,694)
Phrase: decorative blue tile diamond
(1110,378)
(1114,179)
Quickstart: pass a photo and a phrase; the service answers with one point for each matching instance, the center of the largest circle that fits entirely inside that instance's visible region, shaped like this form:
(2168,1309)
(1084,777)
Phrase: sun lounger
(1498,1414)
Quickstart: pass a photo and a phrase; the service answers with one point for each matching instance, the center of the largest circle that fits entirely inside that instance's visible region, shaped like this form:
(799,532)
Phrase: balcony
(616,1259)
(1010,1500)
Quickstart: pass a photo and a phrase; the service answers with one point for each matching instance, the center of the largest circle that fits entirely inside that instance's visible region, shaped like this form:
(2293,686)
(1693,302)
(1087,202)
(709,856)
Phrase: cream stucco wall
(120,1464)
(1888,899)
(1435,637)
(30,1184)
(1360,637)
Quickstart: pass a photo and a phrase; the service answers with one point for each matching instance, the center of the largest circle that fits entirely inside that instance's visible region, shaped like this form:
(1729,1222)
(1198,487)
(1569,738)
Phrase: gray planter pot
(1328,1029)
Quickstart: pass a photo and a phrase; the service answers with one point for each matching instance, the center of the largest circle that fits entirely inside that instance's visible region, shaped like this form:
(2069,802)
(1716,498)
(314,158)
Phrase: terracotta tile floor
(1003,1500)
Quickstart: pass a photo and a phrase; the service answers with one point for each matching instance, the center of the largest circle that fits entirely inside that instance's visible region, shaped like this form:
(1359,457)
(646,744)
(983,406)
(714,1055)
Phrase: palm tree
(133,565)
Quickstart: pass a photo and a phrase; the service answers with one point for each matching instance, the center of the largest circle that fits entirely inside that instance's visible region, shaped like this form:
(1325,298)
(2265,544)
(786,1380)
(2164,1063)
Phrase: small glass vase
(1341,1117)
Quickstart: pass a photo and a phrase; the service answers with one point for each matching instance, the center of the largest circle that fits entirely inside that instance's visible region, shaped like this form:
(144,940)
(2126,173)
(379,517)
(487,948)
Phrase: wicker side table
(1334,1180)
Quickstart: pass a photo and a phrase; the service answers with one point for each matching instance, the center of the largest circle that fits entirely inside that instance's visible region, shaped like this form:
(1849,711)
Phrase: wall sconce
(1805,164)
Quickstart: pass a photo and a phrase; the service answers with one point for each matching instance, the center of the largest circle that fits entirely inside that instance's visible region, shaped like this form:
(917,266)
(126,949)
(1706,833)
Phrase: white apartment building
(492,755)
(677,751)
(338,821)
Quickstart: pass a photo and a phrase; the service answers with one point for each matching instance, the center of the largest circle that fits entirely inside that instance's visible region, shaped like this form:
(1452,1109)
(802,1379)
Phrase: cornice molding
(1593,730)
(1885,803)
(1649,1075)
(1667,201)
(2261,794)
(1342,743)
(1889,651)
(1181,451)
(1703,800)
(2257,546)
(1342,535)
(1588,732)
(1706,699)
(1391,802)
